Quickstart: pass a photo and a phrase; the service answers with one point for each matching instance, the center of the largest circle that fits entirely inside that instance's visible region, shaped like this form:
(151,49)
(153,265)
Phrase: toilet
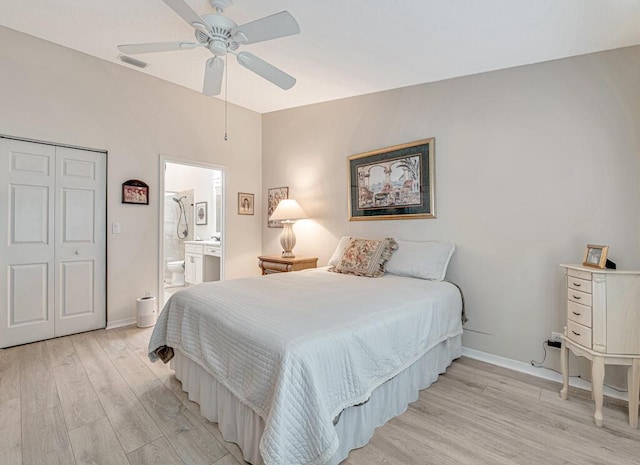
(177,272)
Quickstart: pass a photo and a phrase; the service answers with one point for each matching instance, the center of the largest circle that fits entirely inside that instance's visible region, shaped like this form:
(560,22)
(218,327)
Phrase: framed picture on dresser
(595,256)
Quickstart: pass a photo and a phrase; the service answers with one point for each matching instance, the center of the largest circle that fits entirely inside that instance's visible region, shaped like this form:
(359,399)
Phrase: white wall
(51,93)
(532,163)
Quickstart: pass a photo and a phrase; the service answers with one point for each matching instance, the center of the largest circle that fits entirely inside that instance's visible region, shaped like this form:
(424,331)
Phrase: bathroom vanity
(201,261)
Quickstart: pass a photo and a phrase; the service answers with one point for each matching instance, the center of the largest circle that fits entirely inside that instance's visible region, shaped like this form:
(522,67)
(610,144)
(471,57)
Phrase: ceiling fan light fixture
(218,47)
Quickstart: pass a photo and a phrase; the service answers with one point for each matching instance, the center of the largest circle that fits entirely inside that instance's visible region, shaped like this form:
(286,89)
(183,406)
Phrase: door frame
(197,164)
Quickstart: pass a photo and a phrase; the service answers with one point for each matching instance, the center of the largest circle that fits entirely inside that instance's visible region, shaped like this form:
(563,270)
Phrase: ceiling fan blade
(270,27)
(213,76)
(134,49)
(187,13)
(266,70)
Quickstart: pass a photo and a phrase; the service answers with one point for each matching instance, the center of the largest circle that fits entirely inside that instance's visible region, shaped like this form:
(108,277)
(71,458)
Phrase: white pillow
(424,260)
(337,254)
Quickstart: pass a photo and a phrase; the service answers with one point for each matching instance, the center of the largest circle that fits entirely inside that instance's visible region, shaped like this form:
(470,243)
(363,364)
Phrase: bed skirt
(355,426)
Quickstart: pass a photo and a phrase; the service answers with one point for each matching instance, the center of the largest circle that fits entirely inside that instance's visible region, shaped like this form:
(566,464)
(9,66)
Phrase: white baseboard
(540,372)
(120,323)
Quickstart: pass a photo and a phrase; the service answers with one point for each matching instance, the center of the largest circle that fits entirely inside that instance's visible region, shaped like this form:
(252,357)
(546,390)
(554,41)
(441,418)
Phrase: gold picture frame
(393,183)
(595,256)
(245,203)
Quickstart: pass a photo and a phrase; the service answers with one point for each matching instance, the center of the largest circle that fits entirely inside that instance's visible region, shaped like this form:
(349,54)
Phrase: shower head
(178,200)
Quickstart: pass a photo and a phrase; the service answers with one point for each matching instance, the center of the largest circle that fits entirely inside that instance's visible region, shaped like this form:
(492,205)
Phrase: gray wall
(51,93)
(532,163)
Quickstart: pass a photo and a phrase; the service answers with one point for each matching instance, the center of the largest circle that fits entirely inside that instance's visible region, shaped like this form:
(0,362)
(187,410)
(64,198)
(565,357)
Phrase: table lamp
(287,212)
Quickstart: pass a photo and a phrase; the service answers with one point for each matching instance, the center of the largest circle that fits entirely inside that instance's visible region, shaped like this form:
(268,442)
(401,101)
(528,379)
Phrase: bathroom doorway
(191,225)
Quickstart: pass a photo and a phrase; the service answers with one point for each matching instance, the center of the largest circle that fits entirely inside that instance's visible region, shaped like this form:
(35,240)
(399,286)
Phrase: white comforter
(300,347)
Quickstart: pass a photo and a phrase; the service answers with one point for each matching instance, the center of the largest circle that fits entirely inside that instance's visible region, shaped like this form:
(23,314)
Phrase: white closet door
(52,241)
(80,238)
(27,176)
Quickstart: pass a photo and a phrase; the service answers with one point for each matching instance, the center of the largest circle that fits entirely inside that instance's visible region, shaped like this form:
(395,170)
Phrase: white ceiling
(346,47)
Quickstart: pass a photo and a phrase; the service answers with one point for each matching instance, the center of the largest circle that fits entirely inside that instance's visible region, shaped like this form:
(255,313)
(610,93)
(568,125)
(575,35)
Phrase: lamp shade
(288,209)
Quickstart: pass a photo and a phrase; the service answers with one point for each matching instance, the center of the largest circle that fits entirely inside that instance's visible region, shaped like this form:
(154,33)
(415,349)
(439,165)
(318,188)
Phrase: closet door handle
(77,252)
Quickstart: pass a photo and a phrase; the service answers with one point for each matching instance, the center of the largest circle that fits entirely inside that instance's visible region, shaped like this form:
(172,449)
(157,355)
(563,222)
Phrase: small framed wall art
(245,203)
(595,256)
(136,192)
(274,196)
(393,183)
(201,213)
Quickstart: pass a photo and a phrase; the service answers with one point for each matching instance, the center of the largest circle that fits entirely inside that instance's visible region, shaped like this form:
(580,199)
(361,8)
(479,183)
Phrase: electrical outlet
(556,337)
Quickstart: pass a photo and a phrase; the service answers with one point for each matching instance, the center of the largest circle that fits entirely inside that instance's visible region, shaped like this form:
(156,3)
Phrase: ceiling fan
(222,36)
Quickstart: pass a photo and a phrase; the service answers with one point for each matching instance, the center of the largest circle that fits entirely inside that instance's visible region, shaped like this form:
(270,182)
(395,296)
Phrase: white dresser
(603,325)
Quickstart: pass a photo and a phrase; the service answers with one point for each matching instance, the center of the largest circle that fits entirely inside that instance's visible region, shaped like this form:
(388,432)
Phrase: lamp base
(287,239)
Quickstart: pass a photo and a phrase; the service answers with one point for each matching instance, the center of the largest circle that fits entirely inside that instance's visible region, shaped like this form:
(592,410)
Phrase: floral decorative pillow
(365,257)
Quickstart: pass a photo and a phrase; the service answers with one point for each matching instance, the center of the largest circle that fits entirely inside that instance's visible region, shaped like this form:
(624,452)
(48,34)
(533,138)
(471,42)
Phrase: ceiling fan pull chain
(226,94)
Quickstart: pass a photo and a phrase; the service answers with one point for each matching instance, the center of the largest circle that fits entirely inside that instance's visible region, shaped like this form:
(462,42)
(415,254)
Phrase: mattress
(299,348)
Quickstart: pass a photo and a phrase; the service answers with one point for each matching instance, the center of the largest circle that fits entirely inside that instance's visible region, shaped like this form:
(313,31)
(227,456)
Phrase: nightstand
(277,264)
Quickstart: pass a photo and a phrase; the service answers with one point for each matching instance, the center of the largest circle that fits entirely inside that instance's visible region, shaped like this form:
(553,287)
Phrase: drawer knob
(577,284)
(577,334)
(576,313)
(577,297)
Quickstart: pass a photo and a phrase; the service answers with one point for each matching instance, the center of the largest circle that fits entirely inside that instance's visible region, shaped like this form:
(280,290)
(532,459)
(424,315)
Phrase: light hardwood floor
(94,398)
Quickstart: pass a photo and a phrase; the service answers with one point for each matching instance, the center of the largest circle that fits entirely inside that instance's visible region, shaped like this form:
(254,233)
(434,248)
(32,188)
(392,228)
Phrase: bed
(300,368)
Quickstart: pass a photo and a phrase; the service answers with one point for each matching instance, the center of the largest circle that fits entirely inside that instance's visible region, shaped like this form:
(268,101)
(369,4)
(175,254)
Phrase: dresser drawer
(579,313)
(579,274)
(193,248)
(578,333)
(579,297)
(212,250)
(273,267)
(579,284)
(276,264)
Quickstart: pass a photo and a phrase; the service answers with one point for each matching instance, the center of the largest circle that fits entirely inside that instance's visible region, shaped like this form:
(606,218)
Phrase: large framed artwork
(393,183)
(274,196)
